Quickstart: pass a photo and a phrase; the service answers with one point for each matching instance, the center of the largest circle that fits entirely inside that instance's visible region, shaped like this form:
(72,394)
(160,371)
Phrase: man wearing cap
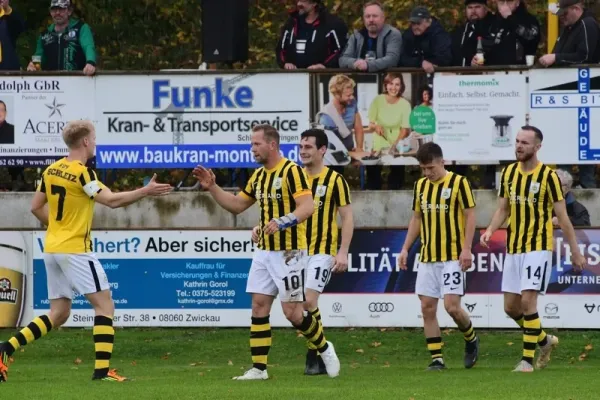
(311,38)
(426,43)
(377,46)
(68,44)
(12,25)
(464,37)
(577,44)
(515,34)
(578,41)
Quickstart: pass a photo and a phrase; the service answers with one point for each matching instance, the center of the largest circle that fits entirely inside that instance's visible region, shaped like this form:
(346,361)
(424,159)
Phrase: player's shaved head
(75,131)
(270,134)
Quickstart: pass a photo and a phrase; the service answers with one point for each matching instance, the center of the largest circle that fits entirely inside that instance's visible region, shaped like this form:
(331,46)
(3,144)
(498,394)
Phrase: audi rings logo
(381,307)
(336,307)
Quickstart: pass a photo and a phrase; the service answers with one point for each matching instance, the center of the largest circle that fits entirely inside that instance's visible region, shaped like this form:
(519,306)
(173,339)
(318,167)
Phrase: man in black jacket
(426,44)
(311,38)
(464,37)
(578,41)
(12,25)
(515,34)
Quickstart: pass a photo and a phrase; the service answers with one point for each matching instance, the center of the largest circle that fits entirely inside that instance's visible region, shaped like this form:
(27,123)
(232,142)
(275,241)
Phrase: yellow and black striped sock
(532,328)
(313,332)
(543,338)
(104,338)
(519,320)
(317,314)
(260,341)
(469,333)
(36,329)
(434,345)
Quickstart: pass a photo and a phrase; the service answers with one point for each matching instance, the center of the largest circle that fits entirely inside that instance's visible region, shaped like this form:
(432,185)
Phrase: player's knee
(59,317)
(512,310)
(260,308)
(294,314)
(453,310)
(428,310)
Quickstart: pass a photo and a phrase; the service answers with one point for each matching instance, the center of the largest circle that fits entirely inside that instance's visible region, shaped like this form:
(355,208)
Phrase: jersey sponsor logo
(514,198)
(261,195)
(381,307)
(429,206)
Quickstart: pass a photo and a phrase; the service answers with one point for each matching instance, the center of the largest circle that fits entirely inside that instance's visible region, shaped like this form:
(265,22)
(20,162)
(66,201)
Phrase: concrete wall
(199,210)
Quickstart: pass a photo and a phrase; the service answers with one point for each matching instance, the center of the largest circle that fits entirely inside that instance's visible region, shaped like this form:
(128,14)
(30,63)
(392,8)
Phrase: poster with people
(374,119)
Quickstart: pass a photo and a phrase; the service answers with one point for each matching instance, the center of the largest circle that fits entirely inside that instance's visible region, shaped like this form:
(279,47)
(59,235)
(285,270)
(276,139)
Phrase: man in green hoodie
(67,45)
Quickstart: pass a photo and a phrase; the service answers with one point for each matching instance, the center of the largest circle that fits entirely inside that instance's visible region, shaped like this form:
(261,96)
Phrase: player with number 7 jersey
(70,189)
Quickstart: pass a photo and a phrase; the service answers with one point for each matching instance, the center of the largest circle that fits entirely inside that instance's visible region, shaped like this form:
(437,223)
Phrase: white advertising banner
(478,116)
(180,121)
(33,112)
(565,105)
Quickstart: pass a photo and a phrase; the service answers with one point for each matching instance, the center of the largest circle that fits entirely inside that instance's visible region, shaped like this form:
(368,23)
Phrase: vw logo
(551,309)
(336,307)
(381,307)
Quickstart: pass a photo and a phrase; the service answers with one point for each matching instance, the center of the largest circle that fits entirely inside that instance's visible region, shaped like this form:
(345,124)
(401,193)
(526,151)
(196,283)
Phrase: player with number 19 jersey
(73,184)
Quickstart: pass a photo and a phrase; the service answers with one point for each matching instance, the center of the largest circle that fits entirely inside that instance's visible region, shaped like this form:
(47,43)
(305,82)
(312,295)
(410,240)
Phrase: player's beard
(524,157)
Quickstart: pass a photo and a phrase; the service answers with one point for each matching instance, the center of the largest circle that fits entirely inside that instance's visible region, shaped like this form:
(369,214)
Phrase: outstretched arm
(105,196)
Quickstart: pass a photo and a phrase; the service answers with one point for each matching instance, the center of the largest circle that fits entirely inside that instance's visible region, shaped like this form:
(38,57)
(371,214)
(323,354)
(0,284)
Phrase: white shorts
(66,273)
(439,279)
(527,271)
(318,271)
(278,273)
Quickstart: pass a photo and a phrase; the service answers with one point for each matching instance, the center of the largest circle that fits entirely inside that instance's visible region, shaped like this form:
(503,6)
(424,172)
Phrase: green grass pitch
(376,363)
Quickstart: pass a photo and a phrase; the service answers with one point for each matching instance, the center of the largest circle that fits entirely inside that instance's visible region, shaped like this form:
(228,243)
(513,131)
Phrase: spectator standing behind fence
(377,46)
(426,44)
(515,34)
(11,26)
(67,45)
(464,37)
(577,44)
(576,211)
(578,41)
(311,38)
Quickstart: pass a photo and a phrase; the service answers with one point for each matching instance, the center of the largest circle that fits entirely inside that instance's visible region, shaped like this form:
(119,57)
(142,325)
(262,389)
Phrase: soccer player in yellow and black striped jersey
(70,190)
(331,196)
(529,192)
(281,189)
(444,216)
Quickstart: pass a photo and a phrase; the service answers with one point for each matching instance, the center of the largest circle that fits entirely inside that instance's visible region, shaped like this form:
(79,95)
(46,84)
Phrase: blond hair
(74,131)
(338,83)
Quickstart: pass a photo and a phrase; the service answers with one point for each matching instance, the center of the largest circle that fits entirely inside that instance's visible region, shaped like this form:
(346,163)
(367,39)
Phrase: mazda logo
(551,309)
(381,307)
(590,307)
(336,307)
(470,307)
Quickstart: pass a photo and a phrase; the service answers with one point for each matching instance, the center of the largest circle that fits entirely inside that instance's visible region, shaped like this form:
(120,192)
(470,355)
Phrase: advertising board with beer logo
(13,267)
